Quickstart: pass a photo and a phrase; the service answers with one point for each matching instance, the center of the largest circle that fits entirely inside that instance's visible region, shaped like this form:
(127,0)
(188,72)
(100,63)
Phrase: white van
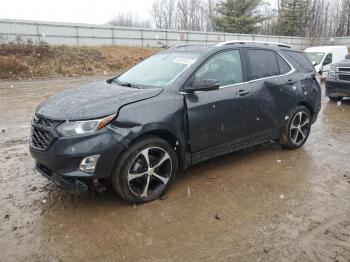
(323,56)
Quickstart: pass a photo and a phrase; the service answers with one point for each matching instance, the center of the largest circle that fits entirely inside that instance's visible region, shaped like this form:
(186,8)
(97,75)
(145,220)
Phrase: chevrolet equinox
(172,110)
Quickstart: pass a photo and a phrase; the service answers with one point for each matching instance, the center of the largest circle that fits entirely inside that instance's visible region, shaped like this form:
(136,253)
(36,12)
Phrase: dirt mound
(27,60)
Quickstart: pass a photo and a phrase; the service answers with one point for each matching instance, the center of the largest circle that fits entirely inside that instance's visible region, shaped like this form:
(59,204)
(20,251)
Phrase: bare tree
(317,19)
(210,10)
(183,14)
(162,12)
(128,19)
(157,14)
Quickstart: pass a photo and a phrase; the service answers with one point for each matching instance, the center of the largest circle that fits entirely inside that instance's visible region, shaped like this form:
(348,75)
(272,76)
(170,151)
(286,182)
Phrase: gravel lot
(261,204)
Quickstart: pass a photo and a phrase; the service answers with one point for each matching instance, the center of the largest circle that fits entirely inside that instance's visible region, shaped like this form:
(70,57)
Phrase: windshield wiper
(127,84)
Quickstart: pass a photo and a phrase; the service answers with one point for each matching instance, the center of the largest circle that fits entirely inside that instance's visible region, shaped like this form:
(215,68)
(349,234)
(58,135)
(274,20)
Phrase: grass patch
(27,60)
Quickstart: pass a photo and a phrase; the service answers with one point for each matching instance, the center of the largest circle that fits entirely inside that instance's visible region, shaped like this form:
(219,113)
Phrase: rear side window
(299,60)
(283,65)
(262,62)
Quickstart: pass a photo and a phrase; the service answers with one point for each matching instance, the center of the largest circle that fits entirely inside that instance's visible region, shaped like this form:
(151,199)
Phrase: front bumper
(71,185)
(60,162)
(335,88)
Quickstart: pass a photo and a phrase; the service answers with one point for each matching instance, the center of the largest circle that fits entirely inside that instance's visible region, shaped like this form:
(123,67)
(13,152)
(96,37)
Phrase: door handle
(242,92)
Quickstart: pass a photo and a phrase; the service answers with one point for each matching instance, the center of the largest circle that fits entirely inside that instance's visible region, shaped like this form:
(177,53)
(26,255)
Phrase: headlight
(331,74)
(83,127)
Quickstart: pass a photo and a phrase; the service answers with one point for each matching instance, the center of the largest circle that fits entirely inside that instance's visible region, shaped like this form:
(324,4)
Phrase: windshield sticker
(182,60)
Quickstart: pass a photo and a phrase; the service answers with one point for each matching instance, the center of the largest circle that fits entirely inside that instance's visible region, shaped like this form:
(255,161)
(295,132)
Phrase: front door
(224,115)
(326,65)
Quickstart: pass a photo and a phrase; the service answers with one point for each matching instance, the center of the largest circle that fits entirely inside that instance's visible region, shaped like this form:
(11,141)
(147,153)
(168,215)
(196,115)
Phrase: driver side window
(328,59)
(226,67)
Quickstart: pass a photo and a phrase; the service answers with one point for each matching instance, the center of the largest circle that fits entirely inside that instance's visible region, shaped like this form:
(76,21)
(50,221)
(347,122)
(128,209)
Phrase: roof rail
(253,42)
(184,45)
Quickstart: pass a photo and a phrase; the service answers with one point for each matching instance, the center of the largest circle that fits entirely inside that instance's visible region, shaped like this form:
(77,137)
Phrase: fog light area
(88,164)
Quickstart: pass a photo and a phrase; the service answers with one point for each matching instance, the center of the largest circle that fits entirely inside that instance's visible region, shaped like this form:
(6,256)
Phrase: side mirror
(203,85)
(347,57)
(315,64)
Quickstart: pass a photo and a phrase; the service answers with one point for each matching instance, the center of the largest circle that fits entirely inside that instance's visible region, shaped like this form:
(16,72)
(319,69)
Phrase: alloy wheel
(149,172)
(299,128)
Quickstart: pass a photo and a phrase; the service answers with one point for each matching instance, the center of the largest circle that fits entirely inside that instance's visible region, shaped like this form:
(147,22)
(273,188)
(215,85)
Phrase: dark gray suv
(172,110)
(338,80)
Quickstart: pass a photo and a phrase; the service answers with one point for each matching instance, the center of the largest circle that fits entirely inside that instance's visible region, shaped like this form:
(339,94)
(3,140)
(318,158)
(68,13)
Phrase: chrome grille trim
(43,133)
(41,139)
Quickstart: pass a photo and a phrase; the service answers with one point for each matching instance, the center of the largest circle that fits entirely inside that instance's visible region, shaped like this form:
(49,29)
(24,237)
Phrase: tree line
(306,18)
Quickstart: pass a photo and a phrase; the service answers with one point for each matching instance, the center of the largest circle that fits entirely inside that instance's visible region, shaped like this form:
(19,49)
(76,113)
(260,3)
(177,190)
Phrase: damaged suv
(172,110)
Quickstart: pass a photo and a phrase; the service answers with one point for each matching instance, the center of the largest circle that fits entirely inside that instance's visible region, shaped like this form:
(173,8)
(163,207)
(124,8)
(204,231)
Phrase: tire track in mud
(329,241)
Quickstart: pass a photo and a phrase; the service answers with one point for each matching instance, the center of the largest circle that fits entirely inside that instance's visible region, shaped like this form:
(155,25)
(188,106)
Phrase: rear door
(224,115)
(271,87)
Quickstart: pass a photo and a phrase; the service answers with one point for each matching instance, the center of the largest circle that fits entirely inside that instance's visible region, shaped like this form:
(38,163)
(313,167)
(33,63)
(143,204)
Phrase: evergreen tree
(238,16)
(294,17)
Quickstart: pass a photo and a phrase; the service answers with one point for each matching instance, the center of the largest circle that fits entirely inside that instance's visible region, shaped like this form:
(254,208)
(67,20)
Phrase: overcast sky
(79,11)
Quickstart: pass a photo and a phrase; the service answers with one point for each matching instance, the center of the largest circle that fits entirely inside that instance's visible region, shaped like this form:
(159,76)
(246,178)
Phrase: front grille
(39,120)
(344,77)
(41,139)
(42,134)
(344,69)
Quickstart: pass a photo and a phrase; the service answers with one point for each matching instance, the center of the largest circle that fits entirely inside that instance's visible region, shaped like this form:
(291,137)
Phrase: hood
(92,101)
(345,63)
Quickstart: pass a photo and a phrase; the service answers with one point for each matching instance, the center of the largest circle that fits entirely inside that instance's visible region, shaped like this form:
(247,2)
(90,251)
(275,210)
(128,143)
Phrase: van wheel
(336,98)
(297,129)
(146,170)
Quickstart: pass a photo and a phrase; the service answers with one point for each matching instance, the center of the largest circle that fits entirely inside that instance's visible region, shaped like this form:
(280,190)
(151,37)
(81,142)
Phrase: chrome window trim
(254,80)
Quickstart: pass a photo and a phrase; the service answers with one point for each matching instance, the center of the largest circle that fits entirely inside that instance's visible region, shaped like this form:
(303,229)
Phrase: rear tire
(145,170)
(336,98)
(297,129)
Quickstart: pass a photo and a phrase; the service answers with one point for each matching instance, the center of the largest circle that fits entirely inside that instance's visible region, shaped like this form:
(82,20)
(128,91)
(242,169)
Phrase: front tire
(297,129)
(145,170)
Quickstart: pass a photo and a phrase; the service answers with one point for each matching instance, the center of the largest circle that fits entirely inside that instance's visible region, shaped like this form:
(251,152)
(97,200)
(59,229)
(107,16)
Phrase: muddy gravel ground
(261,204)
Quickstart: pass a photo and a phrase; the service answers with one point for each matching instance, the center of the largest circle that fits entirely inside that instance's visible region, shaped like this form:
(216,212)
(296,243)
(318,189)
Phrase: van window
(283,65)
(328,60)
(299,60)
(226,67)
(263,63)
(315,57)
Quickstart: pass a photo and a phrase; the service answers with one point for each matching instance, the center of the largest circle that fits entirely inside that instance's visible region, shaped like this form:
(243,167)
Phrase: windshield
(315,57)
(158,70)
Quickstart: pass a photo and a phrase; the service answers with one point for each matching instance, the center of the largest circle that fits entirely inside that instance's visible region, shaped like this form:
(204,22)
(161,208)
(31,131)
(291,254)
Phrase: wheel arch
(184,157)
(285,139)
(308,106)
(173,140)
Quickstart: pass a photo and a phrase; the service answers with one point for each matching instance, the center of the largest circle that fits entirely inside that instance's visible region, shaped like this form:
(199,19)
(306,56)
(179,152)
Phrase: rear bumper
(335,89)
